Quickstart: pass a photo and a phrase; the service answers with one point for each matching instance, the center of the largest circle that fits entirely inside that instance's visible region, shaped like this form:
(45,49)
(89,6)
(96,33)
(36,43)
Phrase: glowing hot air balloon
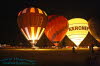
(94,26)
(56,28)
(32,23)
(78,30)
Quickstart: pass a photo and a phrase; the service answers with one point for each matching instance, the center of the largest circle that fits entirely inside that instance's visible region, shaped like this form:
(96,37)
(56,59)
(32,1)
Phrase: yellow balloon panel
(78,30)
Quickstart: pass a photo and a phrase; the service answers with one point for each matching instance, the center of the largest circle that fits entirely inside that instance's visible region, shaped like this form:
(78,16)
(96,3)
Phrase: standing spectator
(73,49)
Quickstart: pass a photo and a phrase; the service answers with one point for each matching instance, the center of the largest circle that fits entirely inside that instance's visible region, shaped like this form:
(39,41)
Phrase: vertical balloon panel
(78,30)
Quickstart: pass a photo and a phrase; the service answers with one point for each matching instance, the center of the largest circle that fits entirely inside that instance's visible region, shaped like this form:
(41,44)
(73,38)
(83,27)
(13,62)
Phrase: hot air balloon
(94,26)
(56,28)
(78,30)
(32,22)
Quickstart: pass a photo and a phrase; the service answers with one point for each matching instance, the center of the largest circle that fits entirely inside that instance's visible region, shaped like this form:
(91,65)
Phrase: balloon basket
(35,47)
(56,48)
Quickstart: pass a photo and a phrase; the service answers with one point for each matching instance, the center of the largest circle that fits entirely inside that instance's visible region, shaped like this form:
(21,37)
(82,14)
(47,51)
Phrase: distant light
(95,47)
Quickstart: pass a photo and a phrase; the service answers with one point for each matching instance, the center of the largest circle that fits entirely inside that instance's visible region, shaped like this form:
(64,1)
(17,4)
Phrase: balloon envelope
(56,28)
(78,30)
(94,26)
(32,23)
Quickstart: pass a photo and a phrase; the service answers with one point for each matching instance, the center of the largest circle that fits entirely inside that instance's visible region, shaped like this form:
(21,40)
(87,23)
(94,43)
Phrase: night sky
(68,8)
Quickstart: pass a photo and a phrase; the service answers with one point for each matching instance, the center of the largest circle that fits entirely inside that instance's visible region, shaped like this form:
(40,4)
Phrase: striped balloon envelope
(78,30)
(32,22)
(56,28)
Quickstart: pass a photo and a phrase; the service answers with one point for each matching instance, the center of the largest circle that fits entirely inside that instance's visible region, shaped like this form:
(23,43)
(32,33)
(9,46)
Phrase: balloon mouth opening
(77,44)
(56,43)
(33,42)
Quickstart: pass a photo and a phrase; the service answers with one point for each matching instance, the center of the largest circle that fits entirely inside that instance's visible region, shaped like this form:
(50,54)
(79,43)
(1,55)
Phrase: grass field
(54,57)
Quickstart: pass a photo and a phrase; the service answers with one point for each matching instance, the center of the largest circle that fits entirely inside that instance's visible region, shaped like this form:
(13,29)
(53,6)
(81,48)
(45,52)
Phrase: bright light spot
(32,33)
(40,11)
(32,10)
(45,13)
(95,47)
(38,31)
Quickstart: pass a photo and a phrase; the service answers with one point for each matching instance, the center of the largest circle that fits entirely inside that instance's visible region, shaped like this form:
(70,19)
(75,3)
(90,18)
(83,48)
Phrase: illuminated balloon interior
(78,30)
(32,35)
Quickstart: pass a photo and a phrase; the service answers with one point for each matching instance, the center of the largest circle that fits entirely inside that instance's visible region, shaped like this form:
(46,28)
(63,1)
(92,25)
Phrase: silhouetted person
(91,48)
(73,49)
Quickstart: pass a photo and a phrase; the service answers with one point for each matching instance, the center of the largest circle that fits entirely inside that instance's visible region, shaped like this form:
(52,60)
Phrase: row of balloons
(33,22)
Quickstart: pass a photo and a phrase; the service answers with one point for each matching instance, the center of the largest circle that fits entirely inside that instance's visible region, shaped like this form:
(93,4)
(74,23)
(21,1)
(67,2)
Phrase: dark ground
(54,58)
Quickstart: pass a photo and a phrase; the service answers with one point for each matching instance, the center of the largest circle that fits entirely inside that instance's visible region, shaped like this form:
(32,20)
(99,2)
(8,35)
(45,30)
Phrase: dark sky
(67,8)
